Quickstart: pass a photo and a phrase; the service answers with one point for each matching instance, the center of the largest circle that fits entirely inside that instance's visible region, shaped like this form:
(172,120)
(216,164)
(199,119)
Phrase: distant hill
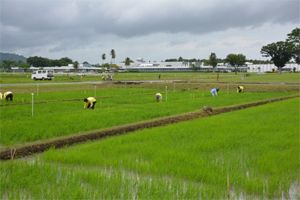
(12,57)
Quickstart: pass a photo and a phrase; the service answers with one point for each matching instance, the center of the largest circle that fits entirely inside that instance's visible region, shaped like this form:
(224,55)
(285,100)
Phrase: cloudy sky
(154,30)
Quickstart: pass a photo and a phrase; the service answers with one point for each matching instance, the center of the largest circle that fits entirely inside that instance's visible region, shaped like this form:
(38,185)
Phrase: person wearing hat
(214,91)
(240,89)
(158,97)
(7,96)
(89,103)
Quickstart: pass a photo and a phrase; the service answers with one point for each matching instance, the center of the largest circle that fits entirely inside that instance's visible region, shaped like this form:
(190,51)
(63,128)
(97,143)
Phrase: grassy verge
(206,77)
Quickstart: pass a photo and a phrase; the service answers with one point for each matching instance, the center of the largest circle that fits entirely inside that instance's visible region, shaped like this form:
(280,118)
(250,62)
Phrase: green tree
(236,60)
(38,61)
(294,39)
(8,64)
(103,58)
(113,55)
(195,68)
(280,53)
(127,62)
(65,61)
(213,61)
(55,63)
(76,65)
(23,65)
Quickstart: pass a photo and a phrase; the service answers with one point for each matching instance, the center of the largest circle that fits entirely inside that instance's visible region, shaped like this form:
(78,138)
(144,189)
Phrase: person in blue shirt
(214,92)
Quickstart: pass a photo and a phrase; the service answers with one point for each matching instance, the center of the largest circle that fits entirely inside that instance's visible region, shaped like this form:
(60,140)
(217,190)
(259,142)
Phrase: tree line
(280,53)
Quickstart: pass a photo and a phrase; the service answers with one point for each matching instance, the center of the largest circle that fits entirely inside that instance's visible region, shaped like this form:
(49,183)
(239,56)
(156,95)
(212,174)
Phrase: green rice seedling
(21,123)
(261,156)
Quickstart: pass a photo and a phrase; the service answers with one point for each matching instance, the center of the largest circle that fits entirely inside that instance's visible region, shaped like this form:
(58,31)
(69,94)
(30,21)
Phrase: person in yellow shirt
(158,97)
(240,89)
(8,96)
(89,103)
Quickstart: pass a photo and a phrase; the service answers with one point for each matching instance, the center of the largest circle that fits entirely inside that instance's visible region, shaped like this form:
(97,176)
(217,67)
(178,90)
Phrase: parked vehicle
(80,74)
(42,75)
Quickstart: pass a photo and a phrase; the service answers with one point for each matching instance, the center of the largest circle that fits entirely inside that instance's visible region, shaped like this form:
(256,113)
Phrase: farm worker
(240,89)
(8,96)
(214,91)
(90,102)
(158,97)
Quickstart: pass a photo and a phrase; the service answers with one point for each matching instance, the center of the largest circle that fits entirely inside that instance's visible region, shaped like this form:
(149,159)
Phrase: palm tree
(113,55)
(127,62)
(76,64)
(103,58)
(213,61)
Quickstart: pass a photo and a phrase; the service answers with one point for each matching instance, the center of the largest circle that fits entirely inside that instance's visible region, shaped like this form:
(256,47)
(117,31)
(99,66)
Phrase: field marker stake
(32,103)
(174,86)
(95,91)
(37,90)
(166,93)
(12,159)
(227,88)
(228,191)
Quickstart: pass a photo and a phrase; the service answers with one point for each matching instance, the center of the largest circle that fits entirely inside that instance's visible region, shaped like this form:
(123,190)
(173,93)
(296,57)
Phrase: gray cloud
(66,26)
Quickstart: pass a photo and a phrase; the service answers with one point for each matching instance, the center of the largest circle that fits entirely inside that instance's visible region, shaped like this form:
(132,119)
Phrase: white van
(42,75)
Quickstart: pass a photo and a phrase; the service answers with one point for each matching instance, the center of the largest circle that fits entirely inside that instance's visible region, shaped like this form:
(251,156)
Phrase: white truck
(42,75)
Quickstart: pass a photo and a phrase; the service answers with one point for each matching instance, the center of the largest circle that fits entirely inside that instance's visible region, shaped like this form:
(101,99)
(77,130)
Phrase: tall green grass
(258,147)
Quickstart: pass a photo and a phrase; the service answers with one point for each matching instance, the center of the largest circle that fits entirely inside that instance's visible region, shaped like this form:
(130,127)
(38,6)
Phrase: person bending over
(158,97)
(240,89)
(89,103)
(214,92)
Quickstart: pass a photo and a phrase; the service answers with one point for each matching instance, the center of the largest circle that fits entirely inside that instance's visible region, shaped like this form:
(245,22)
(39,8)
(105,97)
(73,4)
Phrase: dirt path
(29,149)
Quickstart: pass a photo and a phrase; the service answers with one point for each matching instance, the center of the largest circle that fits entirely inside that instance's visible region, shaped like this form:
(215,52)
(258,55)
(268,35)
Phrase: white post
(95,92)
(32,104)
(166,93)
(227,88)
(174,86)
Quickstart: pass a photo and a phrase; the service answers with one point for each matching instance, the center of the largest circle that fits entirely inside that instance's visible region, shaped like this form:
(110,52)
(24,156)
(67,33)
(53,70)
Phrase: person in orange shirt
(89,103)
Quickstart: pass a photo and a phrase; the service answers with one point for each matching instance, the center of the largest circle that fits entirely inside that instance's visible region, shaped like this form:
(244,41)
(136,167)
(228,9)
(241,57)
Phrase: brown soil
(30,149)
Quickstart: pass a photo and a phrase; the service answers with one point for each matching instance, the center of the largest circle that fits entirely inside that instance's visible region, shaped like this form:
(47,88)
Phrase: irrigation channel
(30,149)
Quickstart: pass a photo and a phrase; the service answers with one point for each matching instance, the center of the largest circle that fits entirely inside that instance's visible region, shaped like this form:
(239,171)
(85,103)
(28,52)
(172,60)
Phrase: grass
(61,118)
(188,160)
(6,78)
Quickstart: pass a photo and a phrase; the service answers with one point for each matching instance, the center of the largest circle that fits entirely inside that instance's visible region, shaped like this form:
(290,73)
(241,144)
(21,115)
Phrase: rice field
(61,113)
(251,153)
(246,154)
